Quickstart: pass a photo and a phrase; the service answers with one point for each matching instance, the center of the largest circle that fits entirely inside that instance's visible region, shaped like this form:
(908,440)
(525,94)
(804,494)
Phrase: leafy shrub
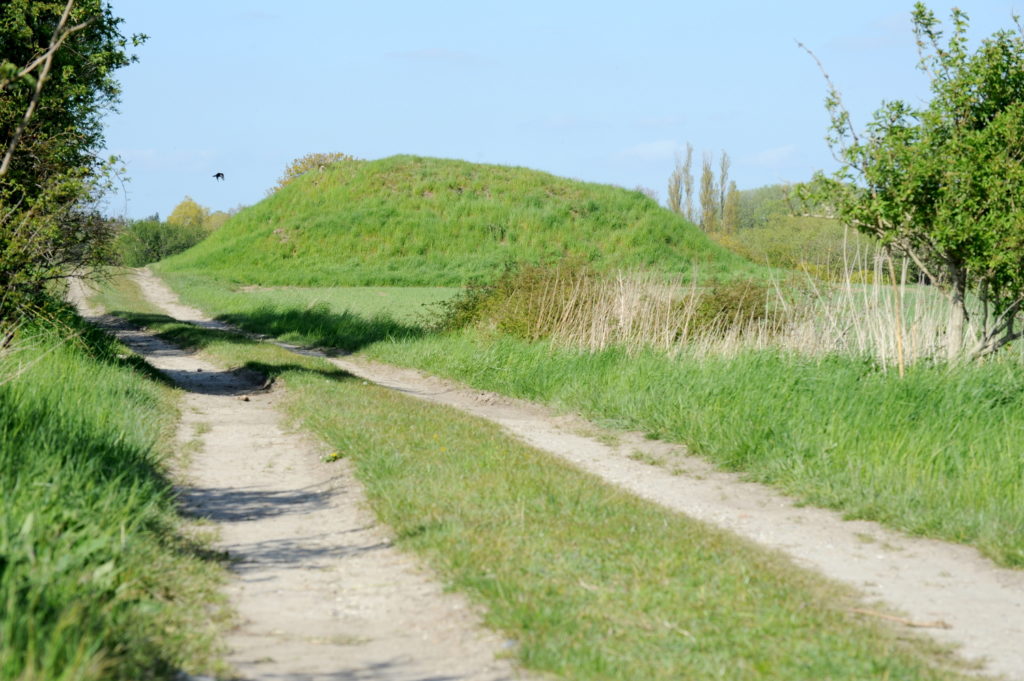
(733,305)
(818,246)
(145,241)
(525,301)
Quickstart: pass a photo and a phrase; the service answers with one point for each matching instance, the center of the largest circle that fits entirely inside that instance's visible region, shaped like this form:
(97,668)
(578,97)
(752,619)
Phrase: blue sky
(598,91)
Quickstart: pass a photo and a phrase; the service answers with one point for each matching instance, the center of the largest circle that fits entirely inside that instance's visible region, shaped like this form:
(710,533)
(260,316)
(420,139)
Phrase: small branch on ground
(937,624)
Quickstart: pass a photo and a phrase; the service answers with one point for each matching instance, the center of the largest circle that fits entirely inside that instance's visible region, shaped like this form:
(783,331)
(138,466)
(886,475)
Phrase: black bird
(219,176)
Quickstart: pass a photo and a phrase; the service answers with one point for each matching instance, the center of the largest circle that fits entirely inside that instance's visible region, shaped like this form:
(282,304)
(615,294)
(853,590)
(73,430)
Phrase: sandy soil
(948,590)
(320,592)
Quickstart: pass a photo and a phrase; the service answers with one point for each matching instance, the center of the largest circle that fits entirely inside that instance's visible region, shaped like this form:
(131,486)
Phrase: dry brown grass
(895,323)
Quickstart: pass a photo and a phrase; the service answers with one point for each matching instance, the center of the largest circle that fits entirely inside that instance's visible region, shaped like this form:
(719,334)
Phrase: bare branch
(833,91)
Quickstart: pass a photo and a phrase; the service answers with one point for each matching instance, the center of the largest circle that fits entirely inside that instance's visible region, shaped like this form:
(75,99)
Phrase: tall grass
(96,579)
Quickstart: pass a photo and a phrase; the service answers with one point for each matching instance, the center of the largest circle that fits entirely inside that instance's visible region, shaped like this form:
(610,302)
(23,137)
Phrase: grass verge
(98,578)
(590,582)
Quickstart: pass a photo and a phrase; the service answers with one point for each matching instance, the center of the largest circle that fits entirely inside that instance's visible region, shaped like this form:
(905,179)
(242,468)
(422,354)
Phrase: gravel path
(948,590)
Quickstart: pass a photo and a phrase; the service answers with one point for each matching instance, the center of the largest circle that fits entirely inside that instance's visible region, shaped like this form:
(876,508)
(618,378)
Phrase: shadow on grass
(249,377)
(319,326)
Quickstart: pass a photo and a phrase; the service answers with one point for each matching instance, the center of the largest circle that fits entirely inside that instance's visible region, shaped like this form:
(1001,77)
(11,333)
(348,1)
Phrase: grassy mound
(407,220)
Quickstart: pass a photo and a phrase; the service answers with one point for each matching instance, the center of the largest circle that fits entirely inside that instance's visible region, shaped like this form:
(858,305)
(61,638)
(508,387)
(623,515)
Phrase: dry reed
(896,323)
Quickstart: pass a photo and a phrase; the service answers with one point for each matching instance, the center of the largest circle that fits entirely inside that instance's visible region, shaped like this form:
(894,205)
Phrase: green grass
(935,454)
(329,317)
(590,582)
(421,221)
(97,579)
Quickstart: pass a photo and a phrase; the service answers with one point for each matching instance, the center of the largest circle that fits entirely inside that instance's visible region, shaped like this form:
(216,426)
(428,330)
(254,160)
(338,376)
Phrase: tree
(731,209)
(304,164)
(647,191)
(688,184)
(57,61)
(723,183)
(943,184)
(144,241)
(708,196)
(215,220)
(188,213)
(675,187)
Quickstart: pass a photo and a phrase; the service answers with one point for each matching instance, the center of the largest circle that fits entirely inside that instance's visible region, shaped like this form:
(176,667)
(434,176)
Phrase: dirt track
(955,594)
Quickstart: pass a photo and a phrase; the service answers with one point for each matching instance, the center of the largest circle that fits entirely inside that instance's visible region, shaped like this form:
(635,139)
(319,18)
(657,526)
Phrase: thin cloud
(669,121)
(438,54)
(651,151)
(888,32)
(770,158)
(191,160)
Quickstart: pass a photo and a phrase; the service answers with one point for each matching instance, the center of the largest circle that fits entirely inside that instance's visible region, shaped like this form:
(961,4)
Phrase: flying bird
(219,176)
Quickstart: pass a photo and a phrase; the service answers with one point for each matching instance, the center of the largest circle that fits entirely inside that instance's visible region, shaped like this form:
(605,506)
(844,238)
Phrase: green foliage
(188,213)
(215,220)
(51,124)
(763,206)
(420,221)
(95,581)
(525,302)
(146,241)
(943,183)
(821,247)
(734,304)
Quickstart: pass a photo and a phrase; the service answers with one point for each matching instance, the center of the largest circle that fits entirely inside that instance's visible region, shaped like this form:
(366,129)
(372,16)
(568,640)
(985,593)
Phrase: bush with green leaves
(145,241)
(943,183)
(57,64)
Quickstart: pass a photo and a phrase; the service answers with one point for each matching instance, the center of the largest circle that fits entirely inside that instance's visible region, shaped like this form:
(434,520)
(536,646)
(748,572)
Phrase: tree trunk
(957,321)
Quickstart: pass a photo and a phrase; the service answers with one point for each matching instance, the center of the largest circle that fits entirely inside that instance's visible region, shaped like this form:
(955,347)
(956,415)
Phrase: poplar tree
(675,187)
(723,183)
(708,196)
(731,209)
(688,184)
